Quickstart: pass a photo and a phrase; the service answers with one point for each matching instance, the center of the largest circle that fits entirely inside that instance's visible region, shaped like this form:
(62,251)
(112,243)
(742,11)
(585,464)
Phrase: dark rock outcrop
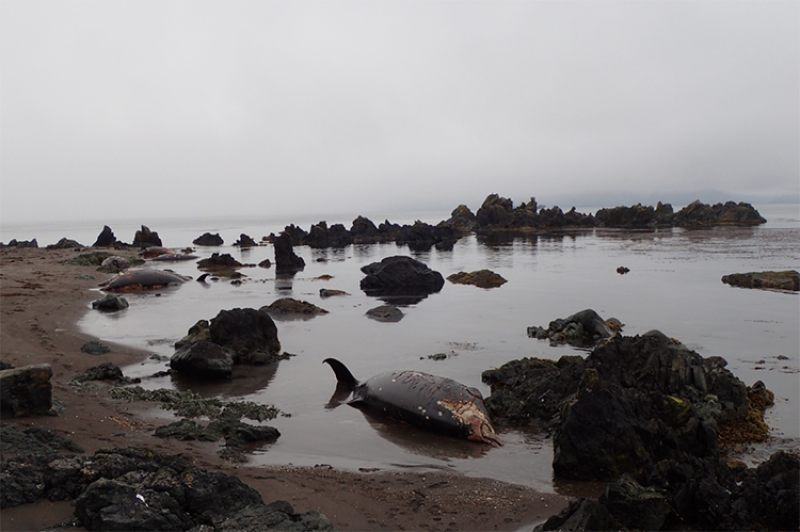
(400,275)
(94,347)
(325,293)
(26,391)
(786,280)
(286,261)
(495,212)
(245,242)
(290,308)
(249,334)
(647,413)
(663,398)
(144,237)
(698,214)
(13,243)
(65,243)
(217,262)
(364,231)
(106,238)
(625,505)
(322,236)
(110,303)
(107,371)
(207,239)
(582,329)
(136,488)
(203,359)
(480,278)
(462,219)
(295,233)
(385,313)
(635,217)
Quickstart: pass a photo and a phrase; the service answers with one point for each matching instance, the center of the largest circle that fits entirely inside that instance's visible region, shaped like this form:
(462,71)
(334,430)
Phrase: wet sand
(41,301)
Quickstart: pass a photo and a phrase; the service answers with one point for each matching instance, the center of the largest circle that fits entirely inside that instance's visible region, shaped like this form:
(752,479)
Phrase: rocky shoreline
(43,295)
(646,414)
(495,216)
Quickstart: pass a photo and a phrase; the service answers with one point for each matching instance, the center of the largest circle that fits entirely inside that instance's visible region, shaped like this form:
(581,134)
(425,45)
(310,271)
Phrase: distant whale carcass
(429,401)
(134,281)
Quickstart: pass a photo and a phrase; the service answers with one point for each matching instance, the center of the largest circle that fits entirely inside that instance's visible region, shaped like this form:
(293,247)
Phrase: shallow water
(673,285)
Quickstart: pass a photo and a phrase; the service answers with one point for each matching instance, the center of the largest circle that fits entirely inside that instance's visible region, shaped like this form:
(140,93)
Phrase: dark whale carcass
(429,401)
(134,281)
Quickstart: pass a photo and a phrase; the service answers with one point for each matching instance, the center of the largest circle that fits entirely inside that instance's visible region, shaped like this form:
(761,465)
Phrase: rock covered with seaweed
(656,419)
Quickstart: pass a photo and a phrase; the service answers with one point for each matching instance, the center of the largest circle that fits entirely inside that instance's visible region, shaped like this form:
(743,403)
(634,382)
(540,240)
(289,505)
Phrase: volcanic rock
(288,307)
(207,239)
(106,238)
(400,275)
(65,243)
(786,280)
(203,359)
(26,391)
(286,261)
(146,238)
(480,278)
(385,313)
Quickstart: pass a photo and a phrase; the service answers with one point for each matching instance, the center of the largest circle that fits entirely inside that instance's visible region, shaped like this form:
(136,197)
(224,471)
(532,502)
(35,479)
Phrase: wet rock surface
(698,214)
(287,262)
(582,329)
(249,334)
(135,488)
(144,237)
(207,239)
(499,215)
(651,416)
(110,303)
(94,347)
(385,313)
(26,391)
(400,275)
(203,359)
(245,241)
(288,308)
(217,262)
(106,238)
(106,371)
(785,280)
(480,278)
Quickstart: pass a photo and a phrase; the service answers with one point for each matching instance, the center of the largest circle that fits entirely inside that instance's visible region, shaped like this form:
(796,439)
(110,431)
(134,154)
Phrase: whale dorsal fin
(343,374)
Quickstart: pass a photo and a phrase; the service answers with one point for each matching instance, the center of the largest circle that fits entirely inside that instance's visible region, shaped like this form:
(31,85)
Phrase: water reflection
(396,299)
(283,282)
(340,395)
(421,442)
(246,380)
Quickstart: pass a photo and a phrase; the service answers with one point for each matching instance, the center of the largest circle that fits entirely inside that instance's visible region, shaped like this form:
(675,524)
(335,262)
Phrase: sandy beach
(41,301)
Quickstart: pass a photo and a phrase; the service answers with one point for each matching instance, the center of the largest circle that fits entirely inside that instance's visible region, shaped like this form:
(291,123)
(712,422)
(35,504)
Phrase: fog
(167,108)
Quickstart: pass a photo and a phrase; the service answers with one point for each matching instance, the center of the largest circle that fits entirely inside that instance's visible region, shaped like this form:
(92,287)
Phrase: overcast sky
(126,109)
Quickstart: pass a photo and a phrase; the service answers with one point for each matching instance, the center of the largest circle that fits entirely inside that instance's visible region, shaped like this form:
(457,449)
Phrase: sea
(673,286)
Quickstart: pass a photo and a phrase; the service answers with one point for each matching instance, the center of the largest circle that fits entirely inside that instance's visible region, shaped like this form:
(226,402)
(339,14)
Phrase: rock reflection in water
(246,380)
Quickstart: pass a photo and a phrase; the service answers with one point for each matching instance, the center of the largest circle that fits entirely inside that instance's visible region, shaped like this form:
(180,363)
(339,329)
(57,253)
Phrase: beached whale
(136,280)
(429,401)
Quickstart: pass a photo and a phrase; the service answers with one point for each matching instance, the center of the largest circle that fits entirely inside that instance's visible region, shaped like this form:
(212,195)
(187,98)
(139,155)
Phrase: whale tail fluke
(343,374)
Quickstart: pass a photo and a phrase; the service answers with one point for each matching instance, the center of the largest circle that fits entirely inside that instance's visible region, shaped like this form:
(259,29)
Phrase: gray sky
(126,109)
